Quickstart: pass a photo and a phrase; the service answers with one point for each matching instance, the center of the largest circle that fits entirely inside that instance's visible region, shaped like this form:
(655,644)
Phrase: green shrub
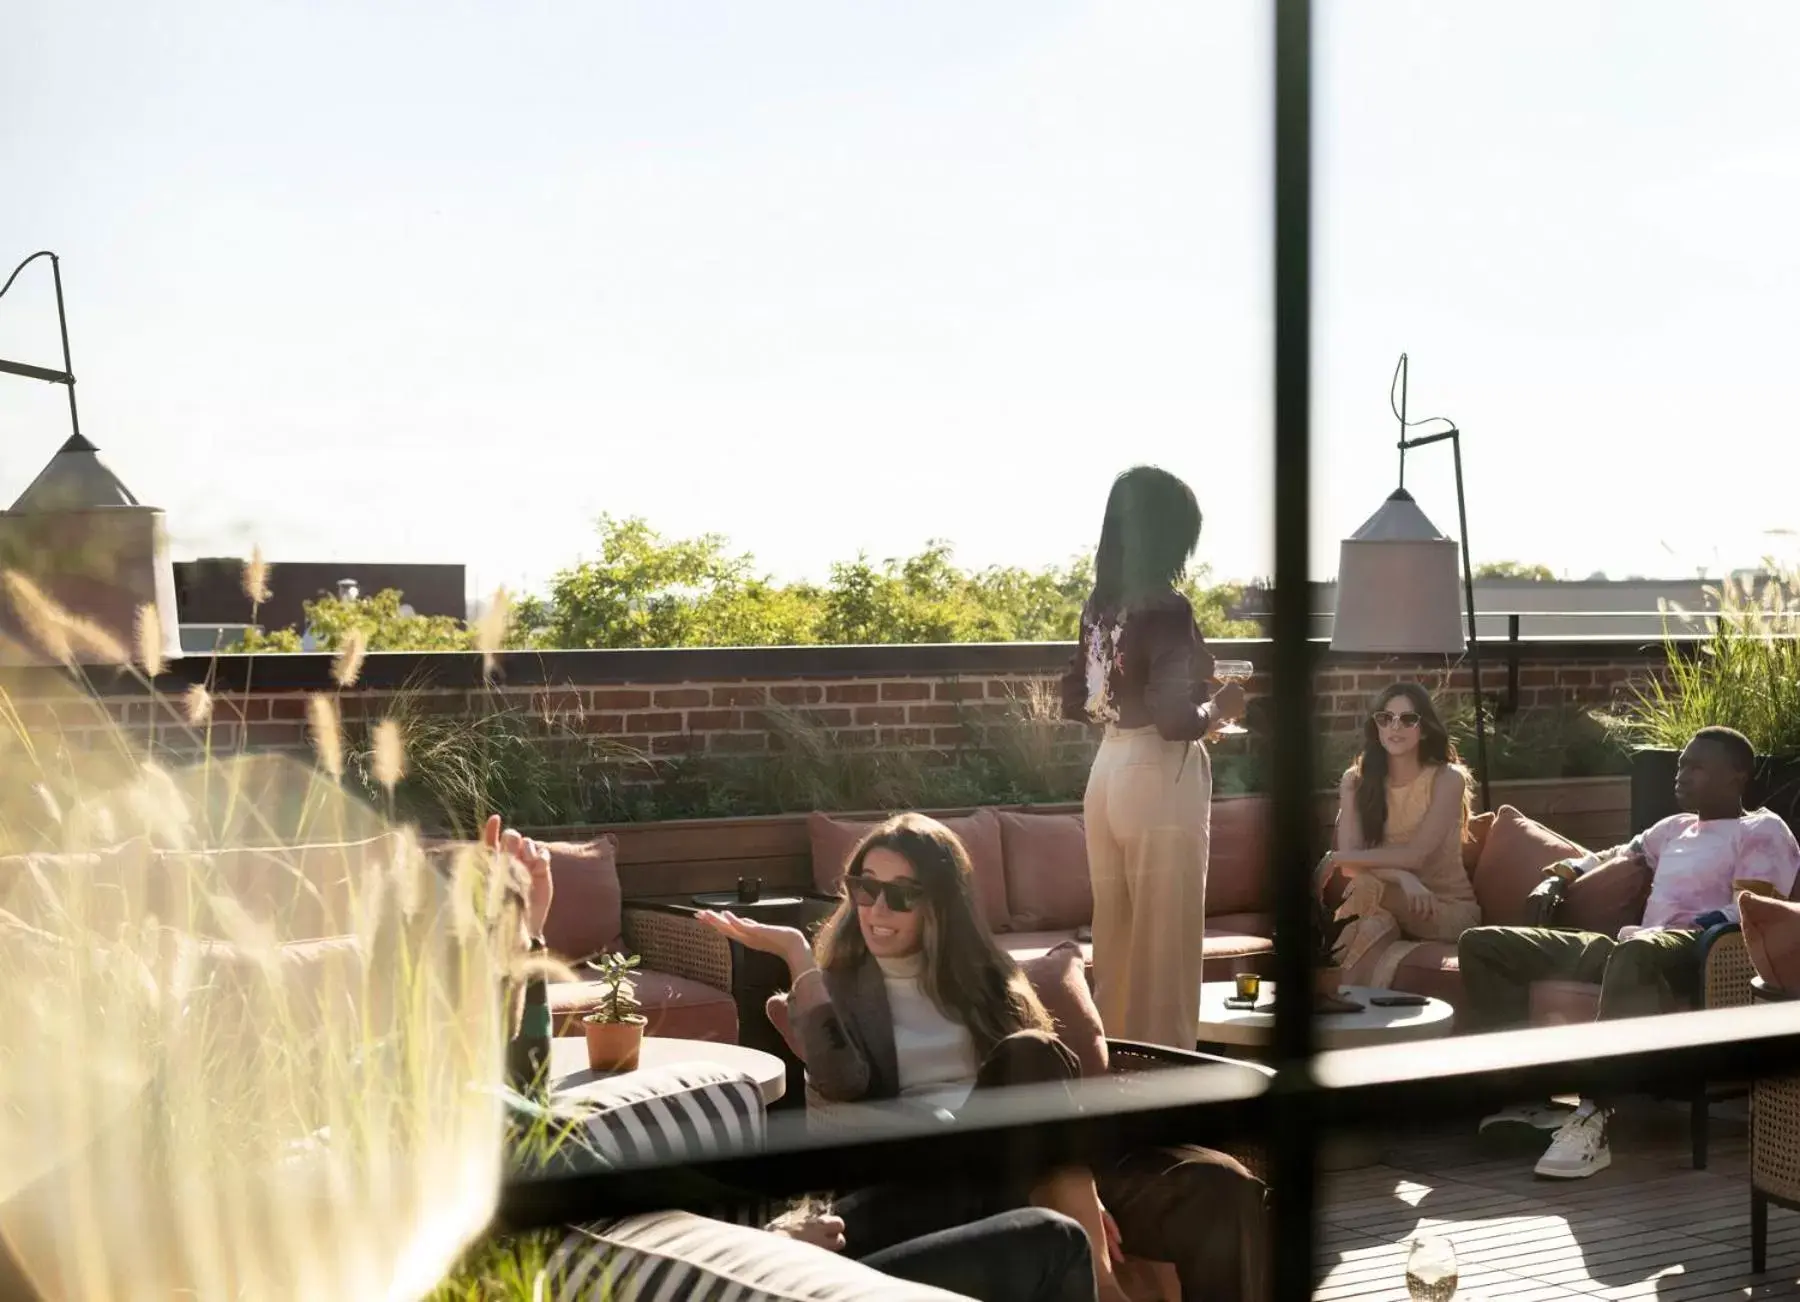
(1744,675)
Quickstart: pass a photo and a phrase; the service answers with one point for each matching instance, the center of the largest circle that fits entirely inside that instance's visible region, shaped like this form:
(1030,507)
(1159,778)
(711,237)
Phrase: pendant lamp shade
(88,544)
(1398,586)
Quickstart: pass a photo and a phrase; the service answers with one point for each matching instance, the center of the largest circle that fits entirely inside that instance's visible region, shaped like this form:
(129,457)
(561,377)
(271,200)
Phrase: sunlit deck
(1649,1227)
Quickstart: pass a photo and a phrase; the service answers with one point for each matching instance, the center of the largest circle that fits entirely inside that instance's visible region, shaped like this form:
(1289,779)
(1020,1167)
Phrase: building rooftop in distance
(210,591)
(1561,608)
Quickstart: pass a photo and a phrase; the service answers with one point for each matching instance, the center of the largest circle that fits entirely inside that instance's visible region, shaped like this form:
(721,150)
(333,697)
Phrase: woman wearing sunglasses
(908,1000)
(1403,811)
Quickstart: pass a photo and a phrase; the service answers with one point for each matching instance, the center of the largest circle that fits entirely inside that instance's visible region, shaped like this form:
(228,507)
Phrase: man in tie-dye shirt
(1699,861)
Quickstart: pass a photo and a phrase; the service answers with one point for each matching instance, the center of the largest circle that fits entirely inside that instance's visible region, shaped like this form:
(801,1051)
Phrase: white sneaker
(1579,1148)
(1525,1128)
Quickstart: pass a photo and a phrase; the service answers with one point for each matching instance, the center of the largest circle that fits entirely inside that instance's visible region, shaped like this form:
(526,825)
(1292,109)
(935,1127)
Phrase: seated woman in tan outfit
(1402,814)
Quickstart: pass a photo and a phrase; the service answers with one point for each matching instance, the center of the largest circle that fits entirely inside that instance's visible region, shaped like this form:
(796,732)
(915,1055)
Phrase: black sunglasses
(901,893)
(1387,719)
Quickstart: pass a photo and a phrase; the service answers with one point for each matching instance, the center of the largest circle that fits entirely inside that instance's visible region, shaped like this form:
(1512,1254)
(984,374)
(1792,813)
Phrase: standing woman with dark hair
(1148,804)
(1403,811)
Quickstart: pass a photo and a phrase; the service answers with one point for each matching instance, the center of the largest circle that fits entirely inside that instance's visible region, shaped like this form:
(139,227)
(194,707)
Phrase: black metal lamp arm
(66,376)
(1454,435)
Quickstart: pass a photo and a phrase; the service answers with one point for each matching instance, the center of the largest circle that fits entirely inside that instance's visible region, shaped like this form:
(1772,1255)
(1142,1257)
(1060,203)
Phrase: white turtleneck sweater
(936,1056)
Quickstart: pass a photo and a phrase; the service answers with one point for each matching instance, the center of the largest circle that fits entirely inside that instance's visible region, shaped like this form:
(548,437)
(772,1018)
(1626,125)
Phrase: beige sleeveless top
(1442,871)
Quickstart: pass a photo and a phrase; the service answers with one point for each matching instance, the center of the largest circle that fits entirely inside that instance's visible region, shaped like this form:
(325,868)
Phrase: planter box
(1774,786)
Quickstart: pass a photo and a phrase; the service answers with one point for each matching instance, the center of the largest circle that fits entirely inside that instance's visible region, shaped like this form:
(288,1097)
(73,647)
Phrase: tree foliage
(645,590)
(384,625)
(1514,570)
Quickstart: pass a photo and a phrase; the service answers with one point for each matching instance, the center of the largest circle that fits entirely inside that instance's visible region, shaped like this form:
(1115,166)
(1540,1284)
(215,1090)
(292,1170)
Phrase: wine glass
(1431,1269)
(1232,671)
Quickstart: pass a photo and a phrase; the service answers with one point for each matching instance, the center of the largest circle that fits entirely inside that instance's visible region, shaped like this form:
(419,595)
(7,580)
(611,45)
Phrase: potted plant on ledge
(614,1029)
(1745,675)
(1328,975)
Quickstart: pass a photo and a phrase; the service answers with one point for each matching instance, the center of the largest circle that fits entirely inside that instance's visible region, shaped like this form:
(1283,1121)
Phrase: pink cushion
(1047,883)
(1772,935)
(1475,837)
(1060,979)
(585,909)
(834,840)
(1430,969)
(673,1006)
(1237,867)
(1227,952)
(1512,863)
(317,978)
(1606,899)
(1028,946)
(1241,924)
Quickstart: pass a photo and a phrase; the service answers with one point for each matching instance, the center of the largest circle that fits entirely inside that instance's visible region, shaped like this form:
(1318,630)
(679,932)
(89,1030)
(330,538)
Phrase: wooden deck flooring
(1648,1227)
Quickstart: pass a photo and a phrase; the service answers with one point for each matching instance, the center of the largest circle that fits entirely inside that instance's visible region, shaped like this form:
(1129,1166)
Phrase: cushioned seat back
(1237,870)
(834,840)
(296,893)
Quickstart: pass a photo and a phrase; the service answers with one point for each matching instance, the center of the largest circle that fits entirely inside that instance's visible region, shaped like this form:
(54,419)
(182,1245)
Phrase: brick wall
(669,703)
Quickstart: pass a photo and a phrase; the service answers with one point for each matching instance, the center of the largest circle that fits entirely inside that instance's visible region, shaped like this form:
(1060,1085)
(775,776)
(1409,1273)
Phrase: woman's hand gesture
(784,942)
(821,1229)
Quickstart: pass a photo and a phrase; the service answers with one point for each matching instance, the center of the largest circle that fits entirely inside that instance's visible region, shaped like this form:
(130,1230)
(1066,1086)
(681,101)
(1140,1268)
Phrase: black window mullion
(1293,1111)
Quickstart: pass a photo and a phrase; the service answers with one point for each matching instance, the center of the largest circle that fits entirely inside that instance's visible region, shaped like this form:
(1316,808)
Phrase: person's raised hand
(822,1230)
(784,942)
(535,860)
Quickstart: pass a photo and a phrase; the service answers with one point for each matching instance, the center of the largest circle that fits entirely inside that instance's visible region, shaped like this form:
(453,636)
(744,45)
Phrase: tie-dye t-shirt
(1694,863)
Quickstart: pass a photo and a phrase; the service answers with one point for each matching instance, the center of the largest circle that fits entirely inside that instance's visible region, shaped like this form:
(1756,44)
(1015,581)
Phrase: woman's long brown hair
(967,976)
(1371,767)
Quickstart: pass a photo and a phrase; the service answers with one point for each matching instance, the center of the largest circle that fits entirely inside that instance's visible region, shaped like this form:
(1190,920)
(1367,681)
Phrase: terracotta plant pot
(614,1046)
(1327,981)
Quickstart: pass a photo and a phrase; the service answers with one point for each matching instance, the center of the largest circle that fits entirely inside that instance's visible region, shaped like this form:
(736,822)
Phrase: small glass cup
(1249,985)
(1232,671)
(1431,1269)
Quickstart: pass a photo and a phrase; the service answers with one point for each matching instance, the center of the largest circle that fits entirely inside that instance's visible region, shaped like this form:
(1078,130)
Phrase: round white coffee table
(569,1069)
(1250,1029)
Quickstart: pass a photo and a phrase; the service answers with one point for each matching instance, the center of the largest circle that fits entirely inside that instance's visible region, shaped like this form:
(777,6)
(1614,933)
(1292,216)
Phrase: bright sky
(444,281)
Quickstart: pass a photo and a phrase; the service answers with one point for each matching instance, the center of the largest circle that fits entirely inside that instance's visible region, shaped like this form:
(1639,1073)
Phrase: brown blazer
(849,1039)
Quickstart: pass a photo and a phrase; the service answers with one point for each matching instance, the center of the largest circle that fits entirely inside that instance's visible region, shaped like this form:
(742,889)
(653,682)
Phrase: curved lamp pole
(66,376)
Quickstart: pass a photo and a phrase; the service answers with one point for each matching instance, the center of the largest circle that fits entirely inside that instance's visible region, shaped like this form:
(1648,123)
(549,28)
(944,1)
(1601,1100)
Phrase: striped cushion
(678,1113)
(679,1257)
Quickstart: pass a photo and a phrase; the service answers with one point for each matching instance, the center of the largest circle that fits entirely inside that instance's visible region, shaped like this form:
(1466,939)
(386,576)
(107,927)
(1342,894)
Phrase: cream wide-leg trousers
(1148,812)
